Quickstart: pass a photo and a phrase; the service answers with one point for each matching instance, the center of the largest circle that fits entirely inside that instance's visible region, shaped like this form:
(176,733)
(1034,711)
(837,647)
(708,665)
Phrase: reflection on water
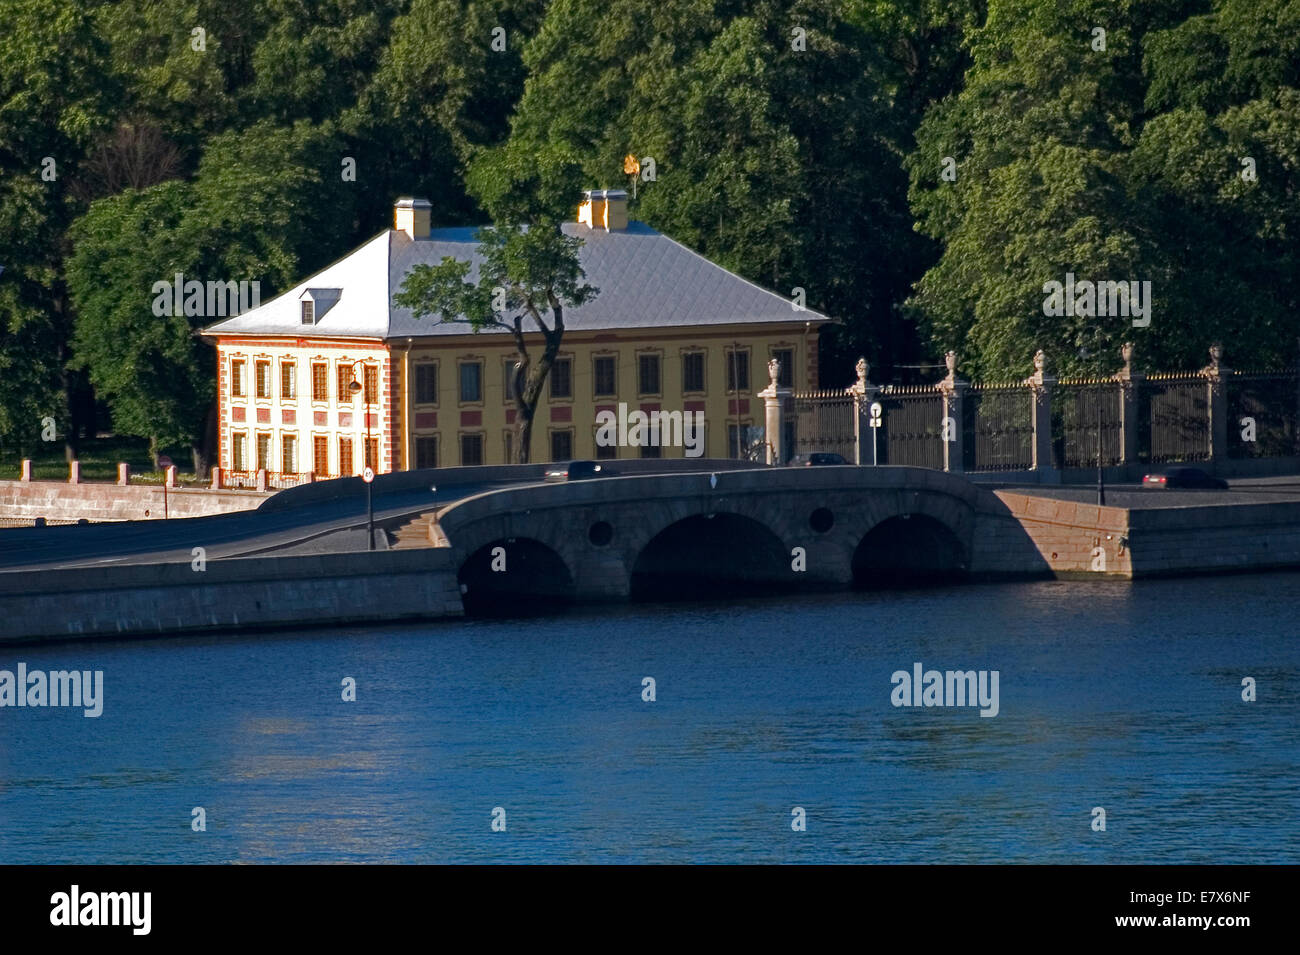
(1111,694)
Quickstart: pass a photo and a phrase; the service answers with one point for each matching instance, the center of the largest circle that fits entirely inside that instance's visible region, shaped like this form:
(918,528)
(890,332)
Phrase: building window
(745,441)
(372,384)
(238,451)
(604,378)
(288,454)
(262,374)
(471,449)
(508,379)
(648,375)
(308,312)
(562,445)
(606,452)
(562,378)
(320,455)
(737,369)
(288,380)
(347,463)
(344,382)
(319,378)
(733,441)
(263,452)
(372,453)
(426,385)
(785,372)
(426,452)
(651,451)
(693,371)
(471,383)
(508,445)
(236,378)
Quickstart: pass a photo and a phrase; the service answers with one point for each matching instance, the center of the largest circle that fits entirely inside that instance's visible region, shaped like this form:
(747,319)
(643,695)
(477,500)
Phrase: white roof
(646,280)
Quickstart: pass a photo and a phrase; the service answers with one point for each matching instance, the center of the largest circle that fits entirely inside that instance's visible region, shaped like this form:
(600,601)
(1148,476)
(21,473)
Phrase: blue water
(1123,696)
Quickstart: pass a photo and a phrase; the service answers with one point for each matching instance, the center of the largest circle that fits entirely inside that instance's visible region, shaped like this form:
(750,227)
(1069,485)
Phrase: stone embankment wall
(170,599)
(1032,535)
(1070,538)
(58,501)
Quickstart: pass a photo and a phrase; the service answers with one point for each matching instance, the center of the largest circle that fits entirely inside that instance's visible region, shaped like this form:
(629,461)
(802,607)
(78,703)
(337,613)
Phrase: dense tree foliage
(1169,156)
(920,168)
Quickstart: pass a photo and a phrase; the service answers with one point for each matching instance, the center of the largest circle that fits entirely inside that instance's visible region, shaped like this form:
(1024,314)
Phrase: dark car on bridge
(1184,478)
(816,459)
(576,471)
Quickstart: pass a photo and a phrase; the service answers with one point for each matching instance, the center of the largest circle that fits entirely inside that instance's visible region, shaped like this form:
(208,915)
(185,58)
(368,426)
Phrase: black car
(576,471)
(1183,478)
(816,459)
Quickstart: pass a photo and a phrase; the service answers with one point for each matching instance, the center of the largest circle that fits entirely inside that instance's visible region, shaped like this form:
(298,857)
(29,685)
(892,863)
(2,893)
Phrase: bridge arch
(909,548)
(710,554)
(514,575)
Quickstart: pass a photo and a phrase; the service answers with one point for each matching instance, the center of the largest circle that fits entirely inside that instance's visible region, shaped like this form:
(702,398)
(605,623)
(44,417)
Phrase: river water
(1126,697)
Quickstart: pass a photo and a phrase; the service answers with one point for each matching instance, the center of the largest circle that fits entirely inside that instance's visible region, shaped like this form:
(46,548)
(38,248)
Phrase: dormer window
(314,303)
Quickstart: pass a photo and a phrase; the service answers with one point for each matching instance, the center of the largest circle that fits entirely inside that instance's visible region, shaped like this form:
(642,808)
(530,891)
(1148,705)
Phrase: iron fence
(998,428)
(911,431)
(1262,414)
(1170,421)
(823,421)
(1079,408)
(1173,419)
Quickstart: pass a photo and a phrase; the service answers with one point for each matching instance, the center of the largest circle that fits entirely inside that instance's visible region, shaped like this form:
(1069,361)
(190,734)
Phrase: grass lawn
(99,459)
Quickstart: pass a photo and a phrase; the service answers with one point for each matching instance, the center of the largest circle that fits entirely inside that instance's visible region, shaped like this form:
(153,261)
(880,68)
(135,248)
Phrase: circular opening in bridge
(711,555)
(821,520)
(514,577)
(601,533)
(907,551)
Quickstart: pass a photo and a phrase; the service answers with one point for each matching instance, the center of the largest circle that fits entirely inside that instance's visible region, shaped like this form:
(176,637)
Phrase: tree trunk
(523,437)
(527,398)
(205,451)
(70,379)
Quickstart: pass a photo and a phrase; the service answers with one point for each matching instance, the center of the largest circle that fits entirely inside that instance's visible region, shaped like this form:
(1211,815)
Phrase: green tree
(316,57)
(150,368)
(54,100)
(1115,164)
(440,93)
(181,64)
(528,272)
(260,210)
(731,167)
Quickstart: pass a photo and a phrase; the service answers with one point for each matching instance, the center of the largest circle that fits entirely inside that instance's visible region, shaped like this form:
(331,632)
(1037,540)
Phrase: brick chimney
(604,209)
(412,217)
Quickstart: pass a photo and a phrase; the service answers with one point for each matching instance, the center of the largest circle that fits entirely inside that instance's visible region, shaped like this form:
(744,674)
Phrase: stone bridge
(682,534)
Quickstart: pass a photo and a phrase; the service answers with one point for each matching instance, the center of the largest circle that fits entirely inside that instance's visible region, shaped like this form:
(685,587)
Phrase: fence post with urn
(1044,427)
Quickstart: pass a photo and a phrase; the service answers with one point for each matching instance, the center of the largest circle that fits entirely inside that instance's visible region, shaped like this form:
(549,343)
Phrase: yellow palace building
(670,331)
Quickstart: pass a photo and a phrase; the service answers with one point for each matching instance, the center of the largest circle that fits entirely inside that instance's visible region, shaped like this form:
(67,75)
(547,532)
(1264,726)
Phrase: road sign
(876,411)
(368,475)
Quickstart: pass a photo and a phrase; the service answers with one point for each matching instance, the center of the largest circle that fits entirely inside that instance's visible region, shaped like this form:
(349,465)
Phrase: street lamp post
(367,473)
